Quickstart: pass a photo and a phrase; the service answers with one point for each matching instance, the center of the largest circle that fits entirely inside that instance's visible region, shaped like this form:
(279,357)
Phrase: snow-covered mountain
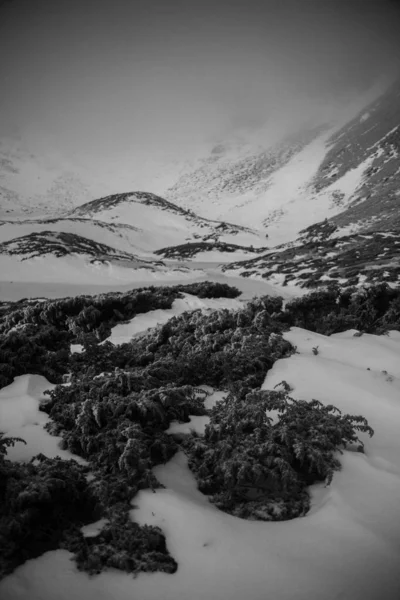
(363,165)
(233,178)
(351,164)
(321,205)
(59,257)
(161,224)
(39,182)
(349,217)
(119,238)
(347,260)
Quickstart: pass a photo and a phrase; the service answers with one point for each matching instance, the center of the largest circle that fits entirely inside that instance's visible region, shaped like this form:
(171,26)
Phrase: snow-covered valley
(324,185)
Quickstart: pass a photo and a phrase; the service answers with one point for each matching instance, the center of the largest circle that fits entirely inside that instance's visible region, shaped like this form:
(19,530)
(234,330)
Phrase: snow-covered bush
(374,309)
(256,468)
(39,502)
(35,337)
(122,399)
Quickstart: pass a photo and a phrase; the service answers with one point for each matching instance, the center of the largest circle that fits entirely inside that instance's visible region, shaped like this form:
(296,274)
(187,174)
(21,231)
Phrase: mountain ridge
(326,198)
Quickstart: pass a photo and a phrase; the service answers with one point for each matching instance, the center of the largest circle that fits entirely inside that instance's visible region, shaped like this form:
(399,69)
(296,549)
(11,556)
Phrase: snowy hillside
(363,165)
(234,179)
(120,239)
(345,226)
(164,223)
(146,239)
(274,189)
(57,257)
(36,182)
(288,211)
(346,171)
(123,238)
(322,256)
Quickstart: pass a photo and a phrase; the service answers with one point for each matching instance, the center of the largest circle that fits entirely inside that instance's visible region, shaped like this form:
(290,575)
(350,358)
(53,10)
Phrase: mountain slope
(39,181)
(347,171)
(370,146)
(236,176)
(57,257)
(58,244)
(119,236)
(355,192)
(318,196)
(346,260)
(163,223)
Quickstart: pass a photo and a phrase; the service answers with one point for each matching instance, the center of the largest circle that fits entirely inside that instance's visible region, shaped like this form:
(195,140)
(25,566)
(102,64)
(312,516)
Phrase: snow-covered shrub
(256,468)
(35,337)
(373,310)
(39,502)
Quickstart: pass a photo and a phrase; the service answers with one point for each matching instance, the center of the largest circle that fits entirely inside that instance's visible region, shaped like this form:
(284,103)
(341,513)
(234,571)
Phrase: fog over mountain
(119,88)
(199,299)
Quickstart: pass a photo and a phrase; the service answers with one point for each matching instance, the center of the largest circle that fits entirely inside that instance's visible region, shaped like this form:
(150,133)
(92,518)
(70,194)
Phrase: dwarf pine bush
(258,454)
(254,467)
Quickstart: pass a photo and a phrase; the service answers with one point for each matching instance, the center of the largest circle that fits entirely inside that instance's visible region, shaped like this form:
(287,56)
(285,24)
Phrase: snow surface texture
(347,546)
(127,238)
(74,286)
(127,225)
(121,237)
(123,333)
(20,417)
(290,203)
(79,269)
(285,207)
(34,180)
(160,226)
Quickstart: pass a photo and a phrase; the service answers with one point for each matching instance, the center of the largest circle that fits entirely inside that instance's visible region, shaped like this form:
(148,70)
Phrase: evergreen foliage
(373,309)
(256,468)
(39,501)
(35,336)
(122,399)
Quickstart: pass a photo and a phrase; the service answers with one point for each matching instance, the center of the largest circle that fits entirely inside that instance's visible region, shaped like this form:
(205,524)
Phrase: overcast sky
(119,80)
